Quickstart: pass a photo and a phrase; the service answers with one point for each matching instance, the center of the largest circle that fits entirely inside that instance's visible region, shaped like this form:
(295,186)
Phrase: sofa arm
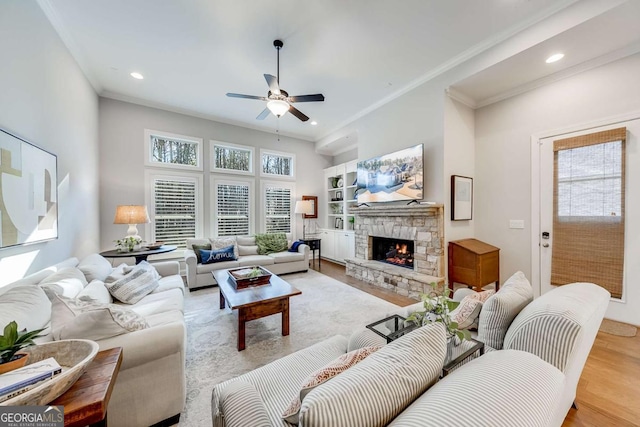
(238,404)
(191,262)
(364,338)
(167,268)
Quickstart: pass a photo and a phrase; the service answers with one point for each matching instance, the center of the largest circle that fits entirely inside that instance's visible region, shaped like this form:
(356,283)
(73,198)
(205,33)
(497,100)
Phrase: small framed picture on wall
(461,198)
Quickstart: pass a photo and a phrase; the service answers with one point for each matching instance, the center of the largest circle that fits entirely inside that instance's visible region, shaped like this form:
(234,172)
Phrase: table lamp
(131,215)
(304,207)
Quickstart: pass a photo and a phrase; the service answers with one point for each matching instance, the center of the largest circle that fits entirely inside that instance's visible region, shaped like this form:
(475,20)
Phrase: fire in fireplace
(393,251)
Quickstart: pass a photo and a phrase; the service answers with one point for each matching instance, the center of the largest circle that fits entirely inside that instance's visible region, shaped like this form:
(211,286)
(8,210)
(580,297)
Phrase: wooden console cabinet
(473,263)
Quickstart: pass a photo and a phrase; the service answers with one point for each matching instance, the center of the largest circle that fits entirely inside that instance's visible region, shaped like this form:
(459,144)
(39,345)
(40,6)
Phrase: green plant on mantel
(13,341)
(437,307)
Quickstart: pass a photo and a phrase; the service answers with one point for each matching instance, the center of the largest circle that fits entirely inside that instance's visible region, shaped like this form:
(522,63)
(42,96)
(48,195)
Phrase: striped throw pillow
(376,390)
(134,286)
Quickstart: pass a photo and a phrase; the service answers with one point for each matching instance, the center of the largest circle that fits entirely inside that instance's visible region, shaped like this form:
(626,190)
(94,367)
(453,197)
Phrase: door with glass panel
(583,189)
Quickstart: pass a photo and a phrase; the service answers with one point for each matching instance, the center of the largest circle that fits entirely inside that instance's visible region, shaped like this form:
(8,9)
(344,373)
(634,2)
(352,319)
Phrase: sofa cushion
(256,260)
(225,242)
(208,268)
(246,240)
(377,389)
(499,310)
(271,242)
(323,375)
(283,257)
(95,267)
(67,282)
(28,305)
(130,289)
(217,255)
(247,250)
(169,282)
(170,300)
(523,388)
(197,248)
(97,291)
(364,337)
(89,319)
(191,242)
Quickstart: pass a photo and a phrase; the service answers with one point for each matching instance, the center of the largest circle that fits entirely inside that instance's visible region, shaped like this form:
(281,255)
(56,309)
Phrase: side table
(140,255)
(313,245)
(456,354)
(86,402)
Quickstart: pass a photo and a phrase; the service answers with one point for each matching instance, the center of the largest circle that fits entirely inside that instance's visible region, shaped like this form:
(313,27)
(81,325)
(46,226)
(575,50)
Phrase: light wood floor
(609,389)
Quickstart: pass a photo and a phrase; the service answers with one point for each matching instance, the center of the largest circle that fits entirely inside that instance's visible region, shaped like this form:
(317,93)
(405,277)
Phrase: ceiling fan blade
(239,95)
(318,97)
(264,114)
(299,114)
(272,81)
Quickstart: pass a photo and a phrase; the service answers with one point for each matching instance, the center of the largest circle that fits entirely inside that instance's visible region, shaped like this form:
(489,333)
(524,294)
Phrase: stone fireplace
(399,247)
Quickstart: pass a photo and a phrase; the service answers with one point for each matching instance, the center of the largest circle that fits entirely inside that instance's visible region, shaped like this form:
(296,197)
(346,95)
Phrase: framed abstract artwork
(28,192)
(461,198)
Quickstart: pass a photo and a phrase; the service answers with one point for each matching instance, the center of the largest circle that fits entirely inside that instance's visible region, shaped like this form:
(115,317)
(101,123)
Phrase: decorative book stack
(24,379)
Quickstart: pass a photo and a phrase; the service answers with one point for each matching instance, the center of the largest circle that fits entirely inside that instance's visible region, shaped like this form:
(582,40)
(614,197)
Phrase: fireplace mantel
(398,210)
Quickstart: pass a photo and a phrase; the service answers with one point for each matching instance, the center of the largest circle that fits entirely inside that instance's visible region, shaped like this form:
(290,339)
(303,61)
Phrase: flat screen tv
(392,177)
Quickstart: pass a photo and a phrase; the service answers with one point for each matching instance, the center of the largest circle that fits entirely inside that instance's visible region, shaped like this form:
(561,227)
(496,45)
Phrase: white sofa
(199,275)
(530,381)
(150,387)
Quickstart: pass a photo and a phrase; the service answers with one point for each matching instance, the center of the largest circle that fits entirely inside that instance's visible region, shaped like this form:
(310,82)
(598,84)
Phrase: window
(277,164)
(233,207)
(173,151)
(232,158)
(276,202)
(175,208)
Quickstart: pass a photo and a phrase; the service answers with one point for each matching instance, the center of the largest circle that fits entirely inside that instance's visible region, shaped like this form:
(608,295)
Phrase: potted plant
(128,244)
(351,220)
(10,345)
(437,307)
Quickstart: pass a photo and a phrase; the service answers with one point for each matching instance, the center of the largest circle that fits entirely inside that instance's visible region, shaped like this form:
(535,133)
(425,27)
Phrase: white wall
(503,155)
(122,180)
(47,100)
(345,157)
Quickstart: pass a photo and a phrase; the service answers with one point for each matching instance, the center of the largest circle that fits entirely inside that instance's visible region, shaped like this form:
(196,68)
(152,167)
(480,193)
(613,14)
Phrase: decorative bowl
(72,355)
(155,245)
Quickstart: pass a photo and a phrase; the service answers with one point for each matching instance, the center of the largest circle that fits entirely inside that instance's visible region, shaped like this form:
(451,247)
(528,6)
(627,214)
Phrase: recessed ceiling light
(137,76)
(555,57)
(313,123)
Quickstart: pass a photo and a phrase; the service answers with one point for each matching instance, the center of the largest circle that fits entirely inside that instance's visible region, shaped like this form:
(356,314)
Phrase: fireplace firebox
(392,251)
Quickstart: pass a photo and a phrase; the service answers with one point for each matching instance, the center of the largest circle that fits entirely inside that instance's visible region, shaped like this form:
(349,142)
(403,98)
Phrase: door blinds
(588,210)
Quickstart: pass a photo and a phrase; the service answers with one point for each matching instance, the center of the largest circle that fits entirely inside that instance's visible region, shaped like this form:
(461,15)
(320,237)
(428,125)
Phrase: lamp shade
(278,107)
(131,214)
(304,207)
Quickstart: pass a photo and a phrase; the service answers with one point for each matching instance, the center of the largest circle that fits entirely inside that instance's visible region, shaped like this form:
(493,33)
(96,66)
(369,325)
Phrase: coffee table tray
(245,277)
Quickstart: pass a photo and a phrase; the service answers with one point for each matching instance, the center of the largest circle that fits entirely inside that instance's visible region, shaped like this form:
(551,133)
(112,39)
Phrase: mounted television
(392,177)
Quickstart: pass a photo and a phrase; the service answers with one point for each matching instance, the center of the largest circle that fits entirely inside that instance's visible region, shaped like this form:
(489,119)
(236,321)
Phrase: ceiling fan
(278,100)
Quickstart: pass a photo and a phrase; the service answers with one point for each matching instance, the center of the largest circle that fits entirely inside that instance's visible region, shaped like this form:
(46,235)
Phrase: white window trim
(148,133)
(150,175)
(217,179)
(263,202)
(281,154)
(252,159)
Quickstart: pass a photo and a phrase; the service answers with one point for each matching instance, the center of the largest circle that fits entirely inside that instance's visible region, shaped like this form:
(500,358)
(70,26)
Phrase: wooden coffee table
(255,302)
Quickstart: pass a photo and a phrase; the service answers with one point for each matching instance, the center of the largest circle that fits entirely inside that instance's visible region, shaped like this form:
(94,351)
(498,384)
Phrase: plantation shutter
(588,210)
(277,210)
(175,211)
(233,209)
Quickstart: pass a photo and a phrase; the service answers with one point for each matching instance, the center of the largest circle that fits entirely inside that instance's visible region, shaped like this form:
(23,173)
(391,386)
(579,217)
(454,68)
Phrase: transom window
(232,158)
(173,151)
(277,164)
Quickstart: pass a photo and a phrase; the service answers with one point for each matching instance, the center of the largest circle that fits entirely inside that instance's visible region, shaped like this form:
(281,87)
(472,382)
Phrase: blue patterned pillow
(219,255)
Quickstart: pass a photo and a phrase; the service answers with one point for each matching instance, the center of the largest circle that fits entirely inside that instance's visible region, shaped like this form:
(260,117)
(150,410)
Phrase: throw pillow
(66,281)
(134,286)
(95,267)
(377,389)
(294,246)
(323,375)
(271,243)
(89,319)
(116,274)
(499,310)
(97,291)
(196,250)
(225,242)
(466,313)
(221,255)
(28,305)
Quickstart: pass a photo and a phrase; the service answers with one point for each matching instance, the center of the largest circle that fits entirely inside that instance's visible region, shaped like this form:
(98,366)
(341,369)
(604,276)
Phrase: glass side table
(391,328)
(456,354)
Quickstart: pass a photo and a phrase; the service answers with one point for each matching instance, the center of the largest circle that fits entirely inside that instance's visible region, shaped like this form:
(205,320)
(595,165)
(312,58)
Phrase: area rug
(326,308)
(616,328)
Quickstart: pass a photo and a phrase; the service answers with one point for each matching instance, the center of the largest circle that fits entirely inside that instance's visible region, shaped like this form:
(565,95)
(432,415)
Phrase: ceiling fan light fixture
(278,107)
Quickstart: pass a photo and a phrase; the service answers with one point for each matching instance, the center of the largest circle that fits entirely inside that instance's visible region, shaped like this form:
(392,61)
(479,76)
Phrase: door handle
(545,245)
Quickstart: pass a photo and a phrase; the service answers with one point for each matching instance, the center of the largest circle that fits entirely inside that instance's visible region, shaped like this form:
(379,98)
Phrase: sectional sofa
(150,386)
(528,377)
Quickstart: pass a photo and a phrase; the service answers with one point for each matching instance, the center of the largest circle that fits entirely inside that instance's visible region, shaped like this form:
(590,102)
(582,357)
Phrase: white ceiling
(356,52)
